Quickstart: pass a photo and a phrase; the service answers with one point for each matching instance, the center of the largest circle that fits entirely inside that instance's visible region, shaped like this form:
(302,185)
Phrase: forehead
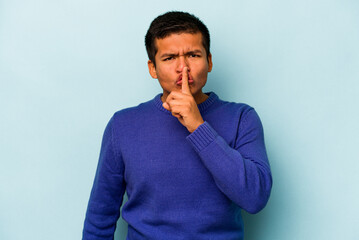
(180,42)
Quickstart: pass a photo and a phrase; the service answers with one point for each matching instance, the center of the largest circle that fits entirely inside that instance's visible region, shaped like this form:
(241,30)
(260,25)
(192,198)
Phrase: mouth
(179,80)
(190,82)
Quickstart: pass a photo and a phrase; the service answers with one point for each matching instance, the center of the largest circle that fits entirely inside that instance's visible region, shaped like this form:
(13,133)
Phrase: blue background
(67,66)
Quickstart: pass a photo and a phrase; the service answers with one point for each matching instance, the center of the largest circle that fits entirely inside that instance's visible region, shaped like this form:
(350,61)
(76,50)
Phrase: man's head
(177,41)
(174,22)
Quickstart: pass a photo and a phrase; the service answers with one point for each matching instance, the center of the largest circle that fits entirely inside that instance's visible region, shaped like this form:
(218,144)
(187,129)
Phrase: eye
(194,55)
(168,58)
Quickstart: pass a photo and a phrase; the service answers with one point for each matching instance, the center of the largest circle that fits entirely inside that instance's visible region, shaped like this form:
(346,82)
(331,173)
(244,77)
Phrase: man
(188,161)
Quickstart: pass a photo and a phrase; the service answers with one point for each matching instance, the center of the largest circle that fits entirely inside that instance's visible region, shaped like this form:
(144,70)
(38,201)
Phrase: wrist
(199,123)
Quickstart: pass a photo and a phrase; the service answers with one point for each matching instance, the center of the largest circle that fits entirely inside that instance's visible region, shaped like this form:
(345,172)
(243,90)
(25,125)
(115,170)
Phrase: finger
(176,115)
(185,87)
(175,103)
(176,111)
(166,106)
(175,95)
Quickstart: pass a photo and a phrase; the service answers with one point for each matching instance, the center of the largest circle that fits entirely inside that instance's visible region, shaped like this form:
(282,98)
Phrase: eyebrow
(186,53)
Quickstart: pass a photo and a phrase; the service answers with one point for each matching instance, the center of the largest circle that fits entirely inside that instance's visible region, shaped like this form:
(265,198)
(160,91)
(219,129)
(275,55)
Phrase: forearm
(242,174)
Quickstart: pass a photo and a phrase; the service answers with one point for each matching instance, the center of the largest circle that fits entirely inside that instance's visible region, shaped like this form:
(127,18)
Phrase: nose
(182,62)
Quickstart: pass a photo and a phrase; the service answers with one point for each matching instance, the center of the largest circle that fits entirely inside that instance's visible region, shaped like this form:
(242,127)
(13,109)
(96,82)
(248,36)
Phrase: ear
(210,63)
(152,69)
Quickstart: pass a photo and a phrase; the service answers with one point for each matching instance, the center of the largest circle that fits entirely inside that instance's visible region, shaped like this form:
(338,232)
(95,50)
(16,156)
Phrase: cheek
(163,72)
(201,70)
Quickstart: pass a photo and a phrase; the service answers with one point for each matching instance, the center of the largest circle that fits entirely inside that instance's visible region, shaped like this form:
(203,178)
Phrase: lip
(179,82)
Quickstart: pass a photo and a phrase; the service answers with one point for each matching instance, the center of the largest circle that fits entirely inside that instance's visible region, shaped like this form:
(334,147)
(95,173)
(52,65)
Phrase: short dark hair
(174,22)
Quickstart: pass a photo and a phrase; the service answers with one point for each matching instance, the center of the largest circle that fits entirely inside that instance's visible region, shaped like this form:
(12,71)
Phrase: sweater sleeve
(103,208)
(242,173)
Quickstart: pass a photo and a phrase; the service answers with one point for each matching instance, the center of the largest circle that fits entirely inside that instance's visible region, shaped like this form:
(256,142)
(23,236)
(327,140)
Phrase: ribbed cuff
(202,136)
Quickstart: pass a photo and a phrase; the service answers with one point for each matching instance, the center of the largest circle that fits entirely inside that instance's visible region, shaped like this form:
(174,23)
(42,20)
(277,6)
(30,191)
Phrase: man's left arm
(241,173)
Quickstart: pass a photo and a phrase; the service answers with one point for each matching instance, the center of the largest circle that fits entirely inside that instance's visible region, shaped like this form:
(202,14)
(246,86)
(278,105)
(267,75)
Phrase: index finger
(185,87)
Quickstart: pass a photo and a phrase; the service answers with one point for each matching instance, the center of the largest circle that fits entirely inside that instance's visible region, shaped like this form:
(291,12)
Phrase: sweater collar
(203,107)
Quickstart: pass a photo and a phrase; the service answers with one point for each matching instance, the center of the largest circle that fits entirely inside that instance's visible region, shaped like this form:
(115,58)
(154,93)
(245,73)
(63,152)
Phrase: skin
(182,66)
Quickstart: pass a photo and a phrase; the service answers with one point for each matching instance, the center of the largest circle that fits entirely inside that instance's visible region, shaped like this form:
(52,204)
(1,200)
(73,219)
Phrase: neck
(199,97)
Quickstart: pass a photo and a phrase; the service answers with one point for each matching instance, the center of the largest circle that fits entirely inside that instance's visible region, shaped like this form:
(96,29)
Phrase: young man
(188,161)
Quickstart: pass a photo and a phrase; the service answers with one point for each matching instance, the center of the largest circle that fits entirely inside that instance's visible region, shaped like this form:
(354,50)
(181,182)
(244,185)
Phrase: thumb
(166,106)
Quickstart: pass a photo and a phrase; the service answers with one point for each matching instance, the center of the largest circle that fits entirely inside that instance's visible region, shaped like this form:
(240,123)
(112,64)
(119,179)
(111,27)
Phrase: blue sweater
(180,185)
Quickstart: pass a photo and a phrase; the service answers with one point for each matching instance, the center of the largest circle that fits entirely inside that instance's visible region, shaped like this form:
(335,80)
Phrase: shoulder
(232,120)
(248,122)
(238,110)
(132,113)
(245,114)
(137,117)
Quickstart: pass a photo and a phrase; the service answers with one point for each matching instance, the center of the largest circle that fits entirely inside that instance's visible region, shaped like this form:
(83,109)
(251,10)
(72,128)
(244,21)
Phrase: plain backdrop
(66,66)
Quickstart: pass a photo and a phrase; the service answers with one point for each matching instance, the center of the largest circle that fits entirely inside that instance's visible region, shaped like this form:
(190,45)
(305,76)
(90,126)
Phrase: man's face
(173,54)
